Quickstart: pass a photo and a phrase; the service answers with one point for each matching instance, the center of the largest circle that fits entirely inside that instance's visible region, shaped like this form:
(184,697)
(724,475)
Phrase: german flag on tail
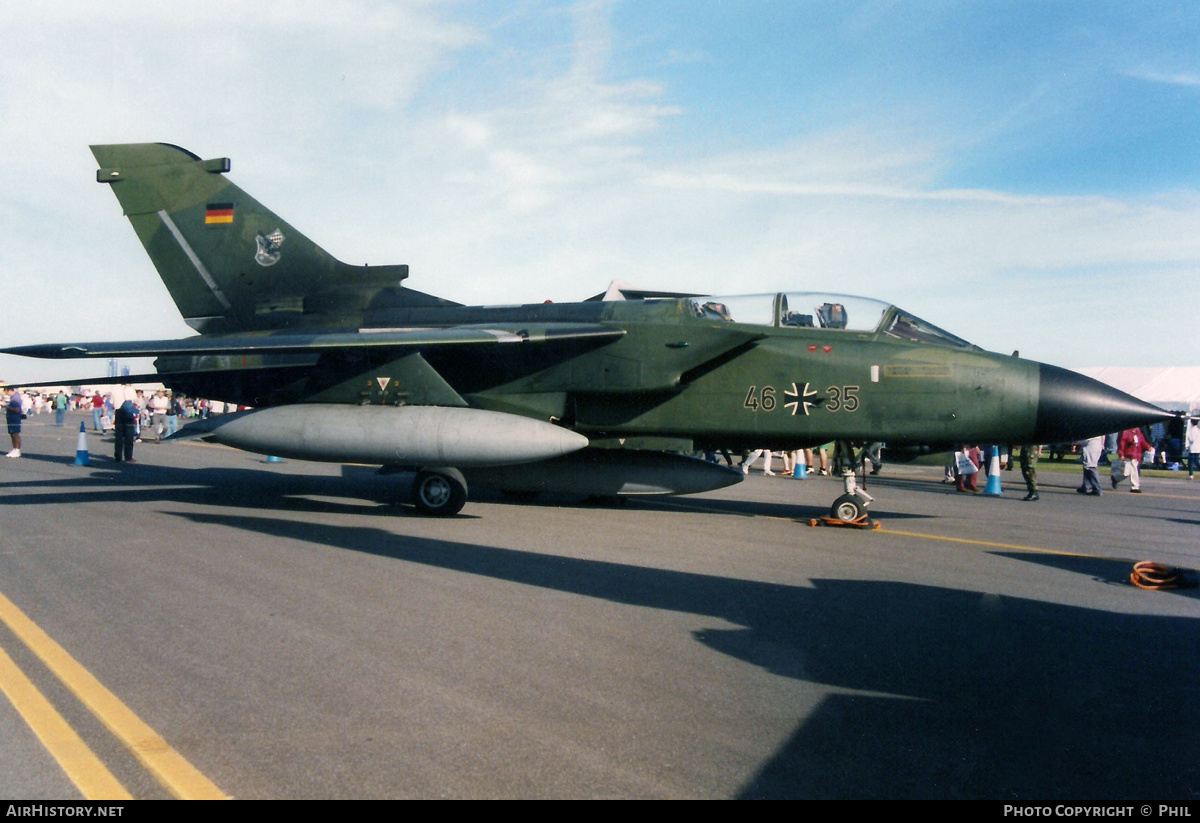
(217,213)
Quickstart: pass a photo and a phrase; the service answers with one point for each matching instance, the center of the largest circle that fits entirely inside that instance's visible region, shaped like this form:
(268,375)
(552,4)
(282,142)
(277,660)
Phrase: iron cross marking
(800,399)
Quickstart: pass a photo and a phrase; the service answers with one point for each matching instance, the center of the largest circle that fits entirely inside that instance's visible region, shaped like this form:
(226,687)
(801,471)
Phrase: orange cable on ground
(1147,574)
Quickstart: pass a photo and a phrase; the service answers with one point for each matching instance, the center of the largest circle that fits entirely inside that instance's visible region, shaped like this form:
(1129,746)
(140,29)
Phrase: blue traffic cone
(993,481)
(81,451)
(800,468)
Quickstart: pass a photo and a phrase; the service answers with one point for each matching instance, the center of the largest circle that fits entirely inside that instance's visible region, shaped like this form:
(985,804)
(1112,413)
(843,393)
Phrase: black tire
(847,508)
(439,492)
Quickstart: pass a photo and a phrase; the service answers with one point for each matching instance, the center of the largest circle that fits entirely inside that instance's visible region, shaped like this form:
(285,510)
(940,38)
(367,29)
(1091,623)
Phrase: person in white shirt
(1193,447)
(159,406)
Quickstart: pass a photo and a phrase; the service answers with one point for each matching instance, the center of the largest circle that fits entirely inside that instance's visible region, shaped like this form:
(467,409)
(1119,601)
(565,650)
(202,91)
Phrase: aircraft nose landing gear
(851,508)
(848,508)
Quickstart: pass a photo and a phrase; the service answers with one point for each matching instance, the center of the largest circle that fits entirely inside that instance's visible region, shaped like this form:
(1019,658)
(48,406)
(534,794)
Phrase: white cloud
(1177,79)
(352,122)
(286,73)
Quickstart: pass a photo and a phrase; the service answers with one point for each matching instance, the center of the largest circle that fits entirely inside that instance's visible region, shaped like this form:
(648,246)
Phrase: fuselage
(682,372)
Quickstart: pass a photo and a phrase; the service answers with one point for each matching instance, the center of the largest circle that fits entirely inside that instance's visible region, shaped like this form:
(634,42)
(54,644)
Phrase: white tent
(1174,389)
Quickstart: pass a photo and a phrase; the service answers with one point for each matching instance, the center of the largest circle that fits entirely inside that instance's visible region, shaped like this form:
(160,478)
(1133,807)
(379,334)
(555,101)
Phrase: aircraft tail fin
(230,263)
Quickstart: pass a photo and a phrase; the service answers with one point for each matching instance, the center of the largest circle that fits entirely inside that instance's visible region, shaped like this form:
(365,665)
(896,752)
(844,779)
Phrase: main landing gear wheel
(439,492)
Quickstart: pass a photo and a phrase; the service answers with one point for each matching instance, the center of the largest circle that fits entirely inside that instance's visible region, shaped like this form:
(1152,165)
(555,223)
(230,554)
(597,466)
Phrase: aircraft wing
(292,342)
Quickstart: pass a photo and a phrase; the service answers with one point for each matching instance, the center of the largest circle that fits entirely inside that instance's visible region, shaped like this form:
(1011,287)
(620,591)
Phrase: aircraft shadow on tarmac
(800,511)
(713,505)
(233,487)
(959,694)
(256,488)
(1101,569)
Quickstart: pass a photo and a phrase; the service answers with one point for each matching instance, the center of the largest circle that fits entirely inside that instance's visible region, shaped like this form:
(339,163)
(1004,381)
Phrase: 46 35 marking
(836,398)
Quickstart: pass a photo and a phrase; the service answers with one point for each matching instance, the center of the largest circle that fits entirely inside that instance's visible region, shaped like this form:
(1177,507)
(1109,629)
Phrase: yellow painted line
(713,510)
(90,776)
(670,503)
(179,777)
(1158,494)
(984,543)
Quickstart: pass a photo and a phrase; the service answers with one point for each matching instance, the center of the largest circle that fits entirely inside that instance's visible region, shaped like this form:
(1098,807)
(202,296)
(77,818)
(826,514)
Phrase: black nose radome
(1074,407)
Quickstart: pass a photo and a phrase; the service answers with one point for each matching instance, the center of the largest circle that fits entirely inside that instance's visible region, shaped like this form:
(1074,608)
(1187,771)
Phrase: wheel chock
(864,522)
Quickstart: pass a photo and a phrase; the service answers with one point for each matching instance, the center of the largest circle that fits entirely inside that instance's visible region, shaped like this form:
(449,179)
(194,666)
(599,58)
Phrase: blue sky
(1024,174)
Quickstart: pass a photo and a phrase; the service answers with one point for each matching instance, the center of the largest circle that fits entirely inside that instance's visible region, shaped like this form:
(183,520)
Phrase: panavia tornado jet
(345,363)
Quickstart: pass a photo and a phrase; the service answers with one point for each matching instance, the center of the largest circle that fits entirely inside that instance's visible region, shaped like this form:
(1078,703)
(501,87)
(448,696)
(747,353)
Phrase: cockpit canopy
(824,311)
